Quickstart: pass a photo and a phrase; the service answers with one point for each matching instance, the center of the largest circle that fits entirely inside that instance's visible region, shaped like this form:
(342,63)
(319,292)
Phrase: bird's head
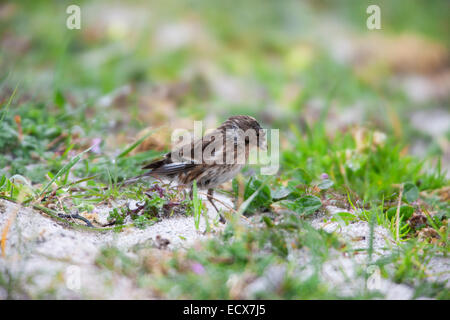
(254,134)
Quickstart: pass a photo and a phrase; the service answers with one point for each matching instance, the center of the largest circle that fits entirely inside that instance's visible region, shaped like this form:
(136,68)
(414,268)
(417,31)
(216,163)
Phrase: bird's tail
(134,179)
(164,168)
(152,166)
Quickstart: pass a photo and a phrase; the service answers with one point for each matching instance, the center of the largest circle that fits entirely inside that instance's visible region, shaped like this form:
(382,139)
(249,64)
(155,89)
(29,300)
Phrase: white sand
(37,246)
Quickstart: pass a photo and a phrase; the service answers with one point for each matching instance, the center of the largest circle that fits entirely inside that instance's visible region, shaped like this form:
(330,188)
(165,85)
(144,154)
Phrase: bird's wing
(165,167)
(193,152)
(172,169)
(211,148)
(179,160)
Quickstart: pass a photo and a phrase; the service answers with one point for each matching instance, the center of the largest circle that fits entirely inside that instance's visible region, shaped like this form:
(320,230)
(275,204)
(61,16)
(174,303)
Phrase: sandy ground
(40,248)
(49,254)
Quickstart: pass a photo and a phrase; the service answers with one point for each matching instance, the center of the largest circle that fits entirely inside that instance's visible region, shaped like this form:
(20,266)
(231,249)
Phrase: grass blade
(64,170)
(8,103)
(135,145)
(197,205)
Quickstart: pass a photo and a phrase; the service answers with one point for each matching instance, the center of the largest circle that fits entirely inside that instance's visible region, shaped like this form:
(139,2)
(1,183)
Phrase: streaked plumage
(185,167)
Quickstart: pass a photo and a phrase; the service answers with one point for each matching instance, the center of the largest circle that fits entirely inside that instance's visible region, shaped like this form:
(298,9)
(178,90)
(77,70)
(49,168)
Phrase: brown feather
(185,168)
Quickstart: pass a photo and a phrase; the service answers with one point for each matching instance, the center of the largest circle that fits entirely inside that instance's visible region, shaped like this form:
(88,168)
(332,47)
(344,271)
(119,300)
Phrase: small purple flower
(324,176)
(198,268)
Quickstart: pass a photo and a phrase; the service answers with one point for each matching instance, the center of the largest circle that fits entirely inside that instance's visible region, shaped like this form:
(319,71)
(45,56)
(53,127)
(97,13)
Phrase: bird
(211,160)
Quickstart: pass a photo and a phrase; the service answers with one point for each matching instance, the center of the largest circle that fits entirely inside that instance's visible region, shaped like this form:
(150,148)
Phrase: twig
(226,205)
(76,216)
(56,140)
(55,216)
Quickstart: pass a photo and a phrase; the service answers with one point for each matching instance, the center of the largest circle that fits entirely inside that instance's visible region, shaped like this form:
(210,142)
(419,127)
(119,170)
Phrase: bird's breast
(218,174)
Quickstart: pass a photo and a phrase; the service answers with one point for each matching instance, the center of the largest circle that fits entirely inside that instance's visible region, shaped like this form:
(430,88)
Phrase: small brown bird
(213,159)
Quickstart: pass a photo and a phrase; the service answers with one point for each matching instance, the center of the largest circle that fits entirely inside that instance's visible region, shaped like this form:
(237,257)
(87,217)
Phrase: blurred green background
(140,64)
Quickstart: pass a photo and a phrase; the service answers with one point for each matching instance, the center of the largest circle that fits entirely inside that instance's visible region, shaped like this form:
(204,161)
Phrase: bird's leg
(210,199)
